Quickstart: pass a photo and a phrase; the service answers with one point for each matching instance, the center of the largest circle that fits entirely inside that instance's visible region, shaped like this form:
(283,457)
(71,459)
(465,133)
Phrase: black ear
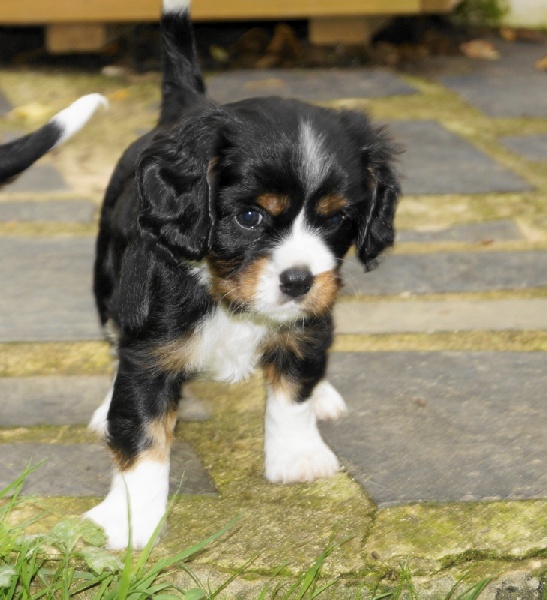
(176,182)
(376,230)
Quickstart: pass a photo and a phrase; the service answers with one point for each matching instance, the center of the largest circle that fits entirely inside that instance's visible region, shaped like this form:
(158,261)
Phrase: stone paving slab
(442,426)
(60,211)
(508,87)
(496,231)
(437,161)
(454,315)
(67,400)
(93,473)
(446,272)
(39,178)
(46,291)
(531,147)
(312,86)
(5,105)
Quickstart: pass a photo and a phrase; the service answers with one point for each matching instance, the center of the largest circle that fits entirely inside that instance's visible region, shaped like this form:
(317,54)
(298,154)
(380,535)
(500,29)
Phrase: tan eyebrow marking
(330,205)
(273,203)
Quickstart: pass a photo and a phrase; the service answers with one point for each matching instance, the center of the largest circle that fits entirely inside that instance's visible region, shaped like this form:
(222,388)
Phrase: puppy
(221,240)
(20,154)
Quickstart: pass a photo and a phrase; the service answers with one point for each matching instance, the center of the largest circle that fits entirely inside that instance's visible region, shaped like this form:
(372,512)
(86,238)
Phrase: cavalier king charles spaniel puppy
(221,241)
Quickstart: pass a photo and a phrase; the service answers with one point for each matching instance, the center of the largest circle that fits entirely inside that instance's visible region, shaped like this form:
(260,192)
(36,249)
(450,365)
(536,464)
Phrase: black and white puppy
(18,155)
(221,240)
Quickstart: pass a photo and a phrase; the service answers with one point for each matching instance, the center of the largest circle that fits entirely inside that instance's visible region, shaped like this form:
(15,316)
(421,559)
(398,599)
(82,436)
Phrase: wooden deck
(80,22)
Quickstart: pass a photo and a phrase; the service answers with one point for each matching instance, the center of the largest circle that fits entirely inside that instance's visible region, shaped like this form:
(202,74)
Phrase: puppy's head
(271,194)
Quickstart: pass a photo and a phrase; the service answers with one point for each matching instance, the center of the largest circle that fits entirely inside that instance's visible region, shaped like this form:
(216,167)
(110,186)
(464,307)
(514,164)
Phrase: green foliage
(69,562)
(481,12)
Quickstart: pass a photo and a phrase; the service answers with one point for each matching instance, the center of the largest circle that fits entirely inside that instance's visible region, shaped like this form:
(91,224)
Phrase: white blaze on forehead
(303,247)
(315,161)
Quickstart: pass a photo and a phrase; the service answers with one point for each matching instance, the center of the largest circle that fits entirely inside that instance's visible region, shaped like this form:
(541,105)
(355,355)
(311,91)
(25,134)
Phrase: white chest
(227,348)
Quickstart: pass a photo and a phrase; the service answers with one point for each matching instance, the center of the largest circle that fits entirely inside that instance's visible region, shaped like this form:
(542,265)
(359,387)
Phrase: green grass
(69,561)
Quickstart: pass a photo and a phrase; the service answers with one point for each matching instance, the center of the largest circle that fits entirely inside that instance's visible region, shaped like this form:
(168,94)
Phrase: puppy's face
(287,191)
(283,220)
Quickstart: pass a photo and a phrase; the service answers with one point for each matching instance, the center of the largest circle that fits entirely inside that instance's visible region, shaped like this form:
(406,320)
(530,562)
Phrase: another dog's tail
(182,83)
(18,155)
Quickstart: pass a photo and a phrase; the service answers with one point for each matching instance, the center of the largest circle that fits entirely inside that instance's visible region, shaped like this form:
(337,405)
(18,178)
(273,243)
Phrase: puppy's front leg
(139,431)
(293,447)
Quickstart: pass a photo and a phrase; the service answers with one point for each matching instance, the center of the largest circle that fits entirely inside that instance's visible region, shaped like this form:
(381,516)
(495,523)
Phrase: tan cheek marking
(330,205)
(273,203)
(241,287)
(322,296)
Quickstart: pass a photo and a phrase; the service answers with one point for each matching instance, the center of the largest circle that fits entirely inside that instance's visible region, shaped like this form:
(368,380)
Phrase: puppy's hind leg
(98,423)
(328,404)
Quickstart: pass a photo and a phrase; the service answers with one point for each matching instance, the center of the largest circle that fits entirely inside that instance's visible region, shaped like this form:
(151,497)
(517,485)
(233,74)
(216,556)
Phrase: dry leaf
(480,49)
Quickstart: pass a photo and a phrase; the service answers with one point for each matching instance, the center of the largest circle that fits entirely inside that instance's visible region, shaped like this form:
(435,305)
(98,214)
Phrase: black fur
(18,155)
(177,196)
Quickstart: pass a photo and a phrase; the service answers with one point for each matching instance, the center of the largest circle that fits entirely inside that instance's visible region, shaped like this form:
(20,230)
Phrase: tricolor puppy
(18,155)
(221,240)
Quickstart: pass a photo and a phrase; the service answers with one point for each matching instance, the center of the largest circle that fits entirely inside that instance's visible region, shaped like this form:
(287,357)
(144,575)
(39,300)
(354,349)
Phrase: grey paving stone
(46,290)
(436,161)
(67,400)
(444,272)
(508,87)
(85,469)
(504,230)
(60,211)
(532,147)
(446,315)
(442,426)
(39,178)
(312,86)
(5,105)
(70,400)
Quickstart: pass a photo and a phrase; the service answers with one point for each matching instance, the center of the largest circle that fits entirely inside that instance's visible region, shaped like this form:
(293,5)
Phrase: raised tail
(18,155)
(182,83)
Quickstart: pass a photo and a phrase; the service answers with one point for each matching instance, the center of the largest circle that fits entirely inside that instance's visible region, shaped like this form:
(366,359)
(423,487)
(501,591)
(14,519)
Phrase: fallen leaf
(482,49)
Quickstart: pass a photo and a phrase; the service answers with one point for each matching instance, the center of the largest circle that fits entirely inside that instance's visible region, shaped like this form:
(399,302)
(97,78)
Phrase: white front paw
(111,515)
(327,403)
(144,489)
(295,462)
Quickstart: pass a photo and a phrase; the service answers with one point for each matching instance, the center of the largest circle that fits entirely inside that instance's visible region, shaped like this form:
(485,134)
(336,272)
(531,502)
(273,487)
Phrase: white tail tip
(75,116)
(175,6)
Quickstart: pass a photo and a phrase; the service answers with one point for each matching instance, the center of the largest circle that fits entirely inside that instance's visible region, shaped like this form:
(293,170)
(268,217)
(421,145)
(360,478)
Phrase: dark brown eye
(249,219)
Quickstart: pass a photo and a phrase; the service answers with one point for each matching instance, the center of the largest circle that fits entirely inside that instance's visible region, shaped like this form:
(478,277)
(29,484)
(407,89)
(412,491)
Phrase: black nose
(296,281)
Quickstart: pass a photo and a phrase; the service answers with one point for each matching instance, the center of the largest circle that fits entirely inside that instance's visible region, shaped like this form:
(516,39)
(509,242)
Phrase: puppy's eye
(250,219)
(335,219)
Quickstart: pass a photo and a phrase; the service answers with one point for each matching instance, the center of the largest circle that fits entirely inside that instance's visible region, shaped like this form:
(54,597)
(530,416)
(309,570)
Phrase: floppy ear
(376,230)
(176,184)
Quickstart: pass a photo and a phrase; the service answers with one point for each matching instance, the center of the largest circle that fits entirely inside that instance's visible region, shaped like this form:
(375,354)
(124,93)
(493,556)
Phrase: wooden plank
(344,30)
(88,37)
(71,11)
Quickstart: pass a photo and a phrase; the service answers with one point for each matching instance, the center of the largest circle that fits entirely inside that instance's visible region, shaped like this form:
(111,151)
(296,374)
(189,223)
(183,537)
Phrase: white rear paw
(327,403)
(99,420)
(291,463)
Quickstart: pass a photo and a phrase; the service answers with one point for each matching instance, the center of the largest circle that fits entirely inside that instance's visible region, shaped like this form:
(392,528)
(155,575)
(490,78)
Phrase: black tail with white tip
(182,83)
(18,155)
